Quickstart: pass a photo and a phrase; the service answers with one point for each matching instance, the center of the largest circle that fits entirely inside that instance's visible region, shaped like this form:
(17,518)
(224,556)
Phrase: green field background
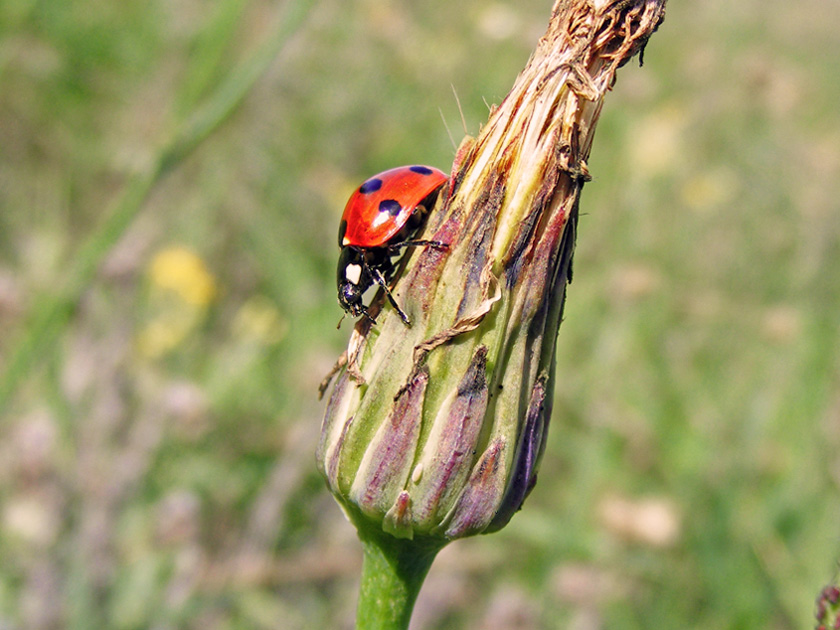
(171,178)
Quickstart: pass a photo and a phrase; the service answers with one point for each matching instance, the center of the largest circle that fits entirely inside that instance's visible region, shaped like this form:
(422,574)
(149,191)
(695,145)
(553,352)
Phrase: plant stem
(393,571)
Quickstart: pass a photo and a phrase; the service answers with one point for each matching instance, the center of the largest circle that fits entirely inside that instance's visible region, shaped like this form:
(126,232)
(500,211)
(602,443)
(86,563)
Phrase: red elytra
(382,206)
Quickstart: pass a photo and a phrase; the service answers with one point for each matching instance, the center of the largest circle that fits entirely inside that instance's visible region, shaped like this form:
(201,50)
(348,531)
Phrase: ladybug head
(353,280)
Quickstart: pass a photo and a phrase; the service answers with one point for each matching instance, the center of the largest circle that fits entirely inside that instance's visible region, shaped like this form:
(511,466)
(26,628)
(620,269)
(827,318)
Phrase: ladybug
(378,222)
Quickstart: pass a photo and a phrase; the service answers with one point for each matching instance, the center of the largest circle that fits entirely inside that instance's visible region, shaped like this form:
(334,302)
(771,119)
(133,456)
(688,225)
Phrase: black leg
(421,243)
(380,280)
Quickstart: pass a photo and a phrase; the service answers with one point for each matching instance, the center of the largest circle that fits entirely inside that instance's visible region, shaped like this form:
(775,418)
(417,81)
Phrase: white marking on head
(353,273)
(345,241)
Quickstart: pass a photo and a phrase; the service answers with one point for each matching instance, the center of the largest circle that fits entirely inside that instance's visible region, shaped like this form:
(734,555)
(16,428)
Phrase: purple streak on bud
(529,449)
(447,456)
(821,610)
(328,454)
(425,276)
(332,461)
(481,228)
(482,494)
(385,466)
(826,607)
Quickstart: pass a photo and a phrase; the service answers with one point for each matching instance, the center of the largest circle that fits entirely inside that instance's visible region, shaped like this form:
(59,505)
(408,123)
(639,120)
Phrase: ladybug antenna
(338,325)
(460,109)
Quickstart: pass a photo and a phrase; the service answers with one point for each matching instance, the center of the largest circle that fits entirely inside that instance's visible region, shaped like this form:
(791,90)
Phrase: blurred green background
(167,314)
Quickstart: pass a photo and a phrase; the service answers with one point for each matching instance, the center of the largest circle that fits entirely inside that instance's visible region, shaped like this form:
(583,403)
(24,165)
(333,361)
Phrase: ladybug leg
(420,243)
(363,312)
(380,280)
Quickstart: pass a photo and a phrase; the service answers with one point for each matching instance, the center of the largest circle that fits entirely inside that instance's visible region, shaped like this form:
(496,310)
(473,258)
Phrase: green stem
(393,571)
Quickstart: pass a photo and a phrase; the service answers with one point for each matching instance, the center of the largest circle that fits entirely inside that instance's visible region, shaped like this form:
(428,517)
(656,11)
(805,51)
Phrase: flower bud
(436,430)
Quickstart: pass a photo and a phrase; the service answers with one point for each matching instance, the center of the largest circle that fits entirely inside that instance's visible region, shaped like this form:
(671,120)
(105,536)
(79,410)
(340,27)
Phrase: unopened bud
(437,430)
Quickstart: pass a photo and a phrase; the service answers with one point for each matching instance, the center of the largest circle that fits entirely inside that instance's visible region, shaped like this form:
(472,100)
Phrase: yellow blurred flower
(709,189)
(180,290)
(259,320)
(181,270)
(656,144)
(162,334)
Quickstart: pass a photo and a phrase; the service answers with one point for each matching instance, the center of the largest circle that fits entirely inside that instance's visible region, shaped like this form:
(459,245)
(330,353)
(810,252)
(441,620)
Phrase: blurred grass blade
(233,90)
(209,55)
(51,313)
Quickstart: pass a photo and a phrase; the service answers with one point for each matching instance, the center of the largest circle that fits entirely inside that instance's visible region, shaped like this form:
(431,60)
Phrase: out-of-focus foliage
(156,464)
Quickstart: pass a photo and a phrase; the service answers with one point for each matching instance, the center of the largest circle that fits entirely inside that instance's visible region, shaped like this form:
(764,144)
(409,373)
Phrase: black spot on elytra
(422,170)
(342,230)
(391,206)
(371,185)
